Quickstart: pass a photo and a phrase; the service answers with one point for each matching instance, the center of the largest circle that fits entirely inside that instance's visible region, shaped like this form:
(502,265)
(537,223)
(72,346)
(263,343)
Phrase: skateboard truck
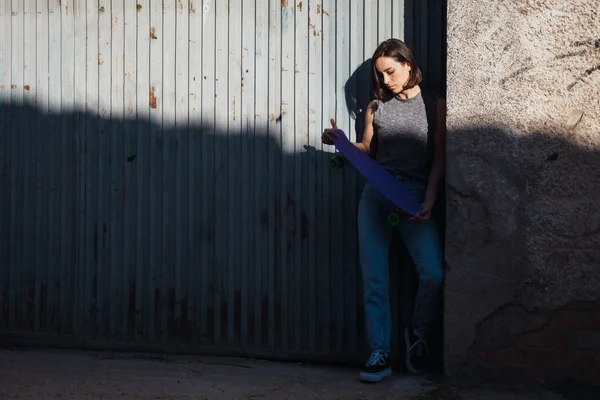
(337,162)
(396,216)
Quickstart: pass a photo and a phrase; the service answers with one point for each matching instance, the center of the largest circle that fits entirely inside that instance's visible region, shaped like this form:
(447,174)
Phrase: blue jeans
(423,244)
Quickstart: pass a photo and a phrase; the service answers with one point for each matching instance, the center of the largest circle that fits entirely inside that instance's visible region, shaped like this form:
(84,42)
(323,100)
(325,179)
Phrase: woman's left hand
(425,212)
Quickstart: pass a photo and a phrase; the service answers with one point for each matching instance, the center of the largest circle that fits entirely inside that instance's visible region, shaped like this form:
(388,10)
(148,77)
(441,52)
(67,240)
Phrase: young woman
(408,127)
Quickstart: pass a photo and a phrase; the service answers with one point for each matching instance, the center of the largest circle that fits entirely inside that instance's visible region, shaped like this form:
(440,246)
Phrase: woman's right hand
(329,134)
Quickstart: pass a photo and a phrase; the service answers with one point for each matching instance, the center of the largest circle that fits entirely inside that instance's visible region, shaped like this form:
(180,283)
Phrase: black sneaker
(377,367)
(417,352)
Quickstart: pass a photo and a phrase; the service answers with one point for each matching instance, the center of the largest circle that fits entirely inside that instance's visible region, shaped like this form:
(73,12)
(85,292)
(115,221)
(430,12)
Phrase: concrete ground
(61,374)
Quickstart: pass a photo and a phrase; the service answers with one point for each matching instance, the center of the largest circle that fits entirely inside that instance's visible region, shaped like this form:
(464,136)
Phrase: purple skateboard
(377,176)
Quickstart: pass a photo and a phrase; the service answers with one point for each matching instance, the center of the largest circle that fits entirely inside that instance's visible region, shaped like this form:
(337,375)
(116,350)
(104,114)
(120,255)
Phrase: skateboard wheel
(336,163)
(394,218)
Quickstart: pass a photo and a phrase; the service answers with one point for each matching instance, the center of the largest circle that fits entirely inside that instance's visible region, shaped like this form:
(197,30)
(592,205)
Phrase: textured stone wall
(523,235)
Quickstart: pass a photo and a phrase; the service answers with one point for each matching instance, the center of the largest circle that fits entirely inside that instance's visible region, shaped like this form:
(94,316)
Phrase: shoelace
(376,358)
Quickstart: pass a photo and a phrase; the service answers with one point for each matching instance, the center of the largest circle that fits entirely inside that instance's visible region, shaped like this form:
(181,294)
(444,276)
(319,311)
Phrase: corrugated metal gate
(162,179)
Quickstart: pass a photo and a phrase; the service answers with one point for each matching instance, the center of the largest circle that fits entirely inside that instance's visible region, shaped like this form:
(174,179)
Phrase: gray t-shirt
(404,136)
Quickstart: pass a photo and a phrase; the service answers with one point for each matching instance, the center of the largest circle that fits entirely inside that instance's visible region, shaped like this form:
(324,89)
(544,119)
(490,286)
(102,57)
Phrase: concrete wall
(523,235)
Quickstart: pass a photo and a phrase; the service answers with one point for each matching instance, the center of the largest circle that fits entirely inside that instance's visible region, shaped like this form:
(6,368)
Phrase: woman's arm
(439,157)
(365,144)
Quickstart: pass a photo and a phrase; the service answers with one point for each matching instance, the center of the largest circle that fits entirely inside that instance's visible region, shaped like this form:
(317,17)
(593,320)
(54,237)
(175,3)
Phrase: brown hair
(400,52)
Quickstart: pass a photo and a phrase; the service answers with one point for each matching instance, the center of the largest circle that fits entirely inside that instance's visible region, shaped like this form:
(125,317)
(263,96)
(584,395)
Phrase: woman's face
(393,74)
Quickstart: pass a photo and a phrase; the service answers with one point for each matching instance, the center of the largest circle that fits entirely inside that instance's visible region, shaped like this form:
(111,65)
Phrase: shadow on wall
(358,94)
(118,230)
(115,231)
(522,245)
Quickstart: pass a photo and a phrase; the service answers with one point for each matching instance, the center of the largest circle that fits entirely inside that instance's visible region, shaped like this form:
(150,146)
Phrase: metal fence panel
(162,178)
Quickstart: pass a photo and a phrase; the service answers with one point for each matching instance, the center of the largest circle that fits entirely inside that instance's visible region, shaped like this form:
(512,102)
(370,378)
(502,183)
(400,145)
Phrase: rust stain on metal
(191,8)
(100,62)
(13,86)
(318,9)
(300,6)
(152,98)
(27,87)
(1,86)
(284,3)
(153,33)
(114,21)
(101,9)
(180,4)
(312,26)
(233,105)
(324,12)
(139,7)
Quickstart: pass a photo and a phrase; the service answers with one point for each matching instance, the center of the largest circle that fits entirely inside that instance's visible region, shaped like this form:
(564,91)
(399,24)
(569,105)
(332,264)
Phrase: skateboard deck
(376,175)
